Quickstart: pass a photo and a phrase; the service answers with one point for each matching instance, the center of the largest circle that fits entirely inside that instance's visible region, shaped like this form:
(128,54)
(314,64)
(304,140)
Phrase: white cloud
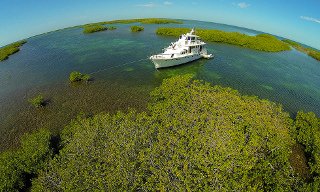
(152,5)
(149,5)
(167,3)
(242,5)
(310,19)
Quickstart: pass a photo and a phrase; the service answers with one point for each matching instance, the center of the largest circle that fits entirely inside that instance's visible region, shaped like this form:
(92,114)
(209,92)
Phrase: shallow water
(123,76)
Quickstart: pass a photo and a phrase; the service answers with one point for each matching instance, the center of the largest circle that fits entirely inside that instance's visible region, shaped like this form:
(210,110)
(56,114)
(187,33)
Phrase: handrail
(175,55)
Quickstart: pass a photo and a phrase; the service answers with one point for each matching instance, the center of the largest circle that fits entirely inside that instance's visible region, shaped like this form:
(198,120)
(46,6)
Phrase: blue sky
(294,19)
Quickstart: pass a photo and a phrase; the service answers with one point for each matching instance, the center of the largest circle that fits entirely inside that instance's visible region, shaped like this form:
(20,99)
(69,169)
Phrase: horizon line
(159,18)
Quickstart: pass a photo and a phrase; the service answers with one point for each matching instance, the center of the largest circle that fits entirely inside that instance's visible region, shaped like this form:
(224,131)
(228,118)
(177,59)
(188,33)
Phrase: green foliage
(159,21)
(35,150)
(129,21)
(299,162)
(307,127)
(136,28)
(194,137)
(8,50)
(295,44)
(76,76)
(112,28)
(11,176)
(315,55)
(104,149)
(85,77)
(311,52)
(93,28)
(17,166)
(307,132)
(176,32)
(213,138)
(262,42)
(144,21)
(37,101)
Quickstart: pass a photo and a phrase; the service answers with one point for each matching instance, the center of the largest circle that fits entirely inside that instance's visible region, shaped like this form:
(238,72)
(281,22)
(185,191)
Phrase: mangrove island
(10,49)
(143,21)
(76,76)
(137,28)
(93,28)
(192,136)
(37,101)
(311,52)
(262,42)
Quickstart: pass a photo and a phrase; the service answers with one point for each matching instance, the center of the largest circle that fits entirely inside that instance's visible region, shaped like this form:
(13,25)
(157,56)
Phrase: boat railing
(187,42)
(163,56)
(173,55)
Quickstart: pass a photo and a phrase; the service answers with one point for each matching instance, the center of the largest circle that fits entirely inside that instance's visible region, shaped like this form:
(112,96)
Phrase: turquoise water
(43,65)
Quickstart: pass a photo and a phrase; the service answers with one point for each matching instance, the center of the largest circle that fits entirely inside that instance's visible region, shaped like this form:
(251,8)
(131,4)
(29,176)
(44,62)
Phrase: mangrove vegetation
(10,49)
(193,136)
(112,28)
(19,166)
(137,28)
(144,21)
(93,28)
(37,101)
(262,42)
(130,21)
(76,76)
(311,52)
(307,132)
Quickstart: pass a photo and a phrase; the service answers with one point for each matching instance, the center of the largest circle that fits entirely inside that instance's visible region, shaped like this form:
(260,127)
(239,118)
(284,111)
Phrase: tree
(194,136)
(212,138)
(137,28)
(37,101)
(76,76)
(307,132)
(17,167)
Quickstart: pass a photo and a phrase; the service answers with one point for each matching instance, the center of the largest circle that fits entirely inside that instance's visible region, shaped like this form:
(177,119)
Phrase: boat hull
(163,63)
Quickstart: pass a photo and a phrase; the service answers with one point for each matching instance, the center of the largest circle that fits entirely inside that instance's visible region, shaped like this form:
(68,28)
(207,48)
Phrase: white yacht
(188,48)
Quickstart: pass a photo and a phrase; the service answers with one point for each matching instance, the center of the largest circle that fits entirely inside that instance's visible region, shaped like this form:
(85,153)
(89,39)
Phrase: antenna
(193,31)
